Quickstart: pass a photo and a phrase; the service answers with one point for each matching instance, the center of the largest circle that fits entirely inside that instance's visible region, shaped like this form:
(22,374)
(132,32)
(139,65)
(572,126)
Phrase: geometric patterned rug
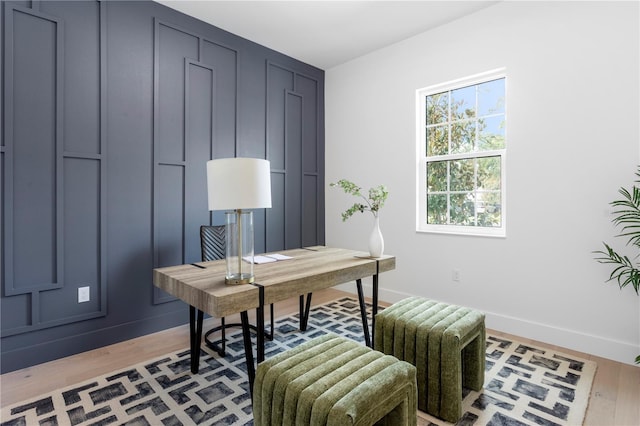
(524,385)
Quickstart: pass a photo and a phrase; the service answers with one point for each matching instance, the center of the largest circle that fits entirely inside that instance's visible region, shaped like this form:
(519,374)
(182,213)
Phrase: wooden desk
(202,286)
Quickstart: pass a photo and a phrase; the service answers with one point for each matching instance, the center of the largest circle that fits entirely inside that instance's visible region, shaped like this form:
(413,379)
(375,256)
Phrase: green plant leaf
(627,216)
(377,197)
(624,272)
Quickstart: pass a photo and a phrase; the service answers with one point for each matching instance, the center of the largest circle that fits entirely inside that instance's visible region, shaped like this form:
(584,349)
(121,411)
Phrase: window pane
(463,136)
(491,97)
(462,175)
(437,140)
(463,103)
(491,133)
(438,108)
(489,173)
(462,144)
(461,210)
(436,176)
(489,209)
(437,209)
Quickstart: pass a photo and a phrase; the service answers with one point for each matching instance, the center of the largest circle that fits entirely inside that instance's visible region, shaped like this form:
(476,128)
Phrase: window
(461,148)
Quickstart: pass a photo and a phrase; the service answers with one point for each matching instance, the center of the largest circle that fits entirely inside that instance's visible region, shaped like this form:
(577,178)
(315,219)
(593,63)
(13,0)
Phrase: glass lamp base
(236,279)
(239,247)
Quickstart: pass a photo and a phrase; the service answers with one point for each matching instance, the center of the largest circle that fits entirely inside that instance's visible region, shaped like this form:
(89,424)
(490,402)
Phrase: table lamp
(236,185)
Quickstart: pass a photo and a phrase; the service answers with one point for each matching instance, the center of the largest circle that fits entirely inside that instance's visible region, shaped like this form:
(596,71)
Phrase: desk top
(310,269)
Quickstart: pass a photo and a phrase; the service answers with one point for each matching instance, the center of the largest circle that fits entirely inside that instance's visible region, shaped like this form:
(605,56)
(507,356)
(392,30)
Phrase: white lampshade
(239,183)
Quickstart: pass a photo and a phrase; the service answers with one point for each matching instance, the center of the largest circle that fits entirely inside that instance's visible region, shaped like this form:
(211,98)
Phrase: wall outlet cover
(84,294)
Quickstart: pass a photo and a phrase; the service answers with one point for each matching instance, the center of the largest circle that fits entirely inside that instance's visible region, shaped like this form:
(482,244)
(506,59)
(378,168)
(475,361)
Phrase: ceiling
(326,33)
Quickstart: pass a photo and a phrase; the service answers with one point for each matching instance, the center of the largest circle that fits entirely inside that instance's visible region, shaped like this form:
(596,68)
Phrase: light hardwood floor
(615,396)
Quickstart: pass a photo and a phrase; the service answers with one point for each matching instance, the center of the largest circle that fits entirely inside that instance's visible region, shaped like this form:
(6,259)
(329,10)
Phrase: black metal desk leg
(260,332)
(195,337)
(304,311)
(260,327)
(270,336)
(374,310)
(363,313)
(248,350)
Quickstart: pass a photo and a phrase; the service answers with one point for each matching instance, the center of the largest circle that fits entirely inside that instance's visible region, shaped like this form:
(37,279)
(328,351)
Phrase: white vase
(376,242)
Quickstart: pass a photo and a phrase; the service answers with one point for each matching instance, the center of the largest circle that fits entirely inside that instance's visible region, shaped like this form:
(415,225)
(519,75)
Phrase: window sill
(464,231)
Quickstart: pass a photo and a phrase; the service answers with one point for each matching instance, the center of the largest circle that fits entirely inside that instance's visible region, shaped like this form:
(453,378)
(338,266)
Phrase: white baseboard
(582,342)
(615,350)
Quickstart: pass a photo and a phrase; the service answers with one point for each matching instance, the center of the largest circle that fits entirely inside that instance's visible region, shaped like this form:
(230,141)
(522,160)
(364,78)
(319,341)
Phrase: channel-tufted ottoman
(445,342)
(331,380)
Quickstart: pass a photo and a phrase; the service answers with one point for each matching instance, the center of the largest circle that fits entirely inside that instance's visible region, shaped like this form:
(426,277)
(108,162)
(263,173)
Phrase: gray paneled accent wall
(110,111)
(53,158)
(294,147)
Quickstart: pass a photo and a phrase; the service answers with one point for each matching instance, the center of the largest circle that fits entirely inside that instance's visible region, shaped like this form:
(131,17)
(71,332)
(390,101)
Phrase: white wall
(573,140)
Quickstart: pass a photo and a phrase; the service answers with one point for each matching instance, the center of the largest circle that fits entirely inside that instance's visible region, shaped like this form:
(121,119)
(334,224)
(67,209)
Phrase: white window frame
(422,159)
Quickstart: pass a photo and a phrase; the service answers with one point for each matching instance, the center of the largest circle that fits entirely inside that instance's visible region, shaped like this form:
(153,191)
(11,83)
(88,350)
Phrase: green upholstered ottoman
(331,380)
(445,342)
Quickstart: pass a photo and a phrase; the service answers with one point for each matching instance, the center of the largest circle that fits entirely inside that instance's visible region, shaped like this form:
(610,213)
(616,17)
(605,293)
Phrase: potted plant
(626,215)
(372,203)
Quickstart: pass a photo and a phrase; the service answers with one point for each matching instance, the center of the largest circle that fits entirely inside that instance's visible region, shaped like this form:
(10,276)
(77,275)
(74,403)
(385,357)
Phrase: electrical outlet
(455,275)
(84,294)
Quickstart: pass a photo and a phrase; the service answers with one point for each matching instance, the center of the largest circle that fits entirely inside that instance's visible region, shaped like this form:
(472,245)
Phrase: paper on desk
(278,256)
(267,258)
(260,259)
